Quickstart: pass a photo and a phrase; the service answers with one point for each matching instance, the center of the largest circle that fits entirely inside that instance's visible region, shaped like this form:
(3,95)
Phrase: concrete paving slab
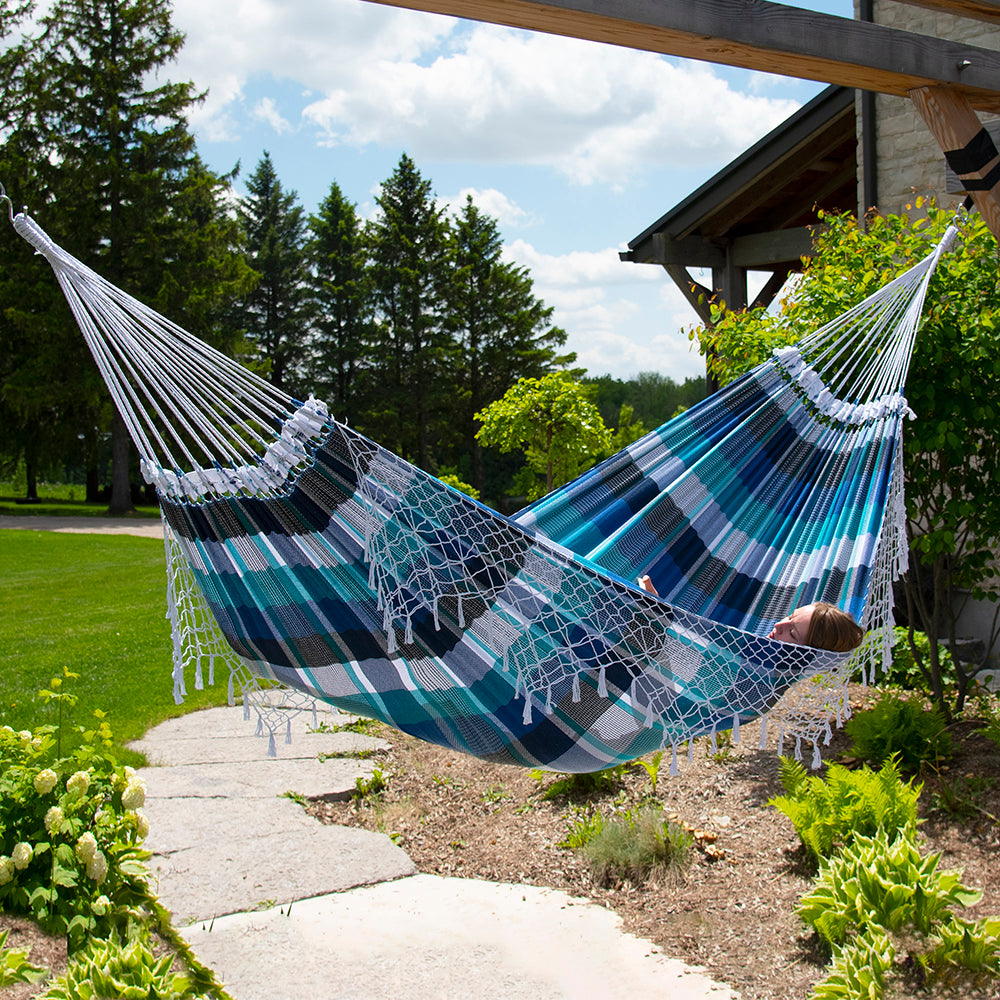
(223,747)
(265,778)
(242,869)
(432,938)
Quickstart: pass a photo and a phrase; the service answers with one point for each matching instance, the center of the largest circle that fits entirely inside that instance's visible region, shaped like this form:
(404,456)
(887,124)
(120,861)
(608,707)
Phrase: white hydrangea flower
(24,736)
(78,783)
(53,820)
(45,781)
(36,743)
(141,823)
(6,869)
(97,867)
(100,906)
(86,848)
(22,855)
(134,796)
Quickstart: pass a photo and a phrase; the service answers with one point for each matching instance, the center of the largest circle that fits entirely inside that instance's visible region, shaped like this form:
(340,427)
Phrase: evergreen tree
(502,331)
(408,381)
(276,313)
(342,297)
(113,149)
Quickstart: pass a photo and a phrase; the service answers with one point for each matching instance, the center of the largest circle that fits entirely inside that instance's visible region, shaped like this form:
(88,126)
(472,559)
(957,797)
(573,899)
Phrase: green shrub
(900,727)
(829,814)
(116,968)
(635,844)
(882,882)
(15,967)
(881,895)
(859,970)
(905,672)
(71,830)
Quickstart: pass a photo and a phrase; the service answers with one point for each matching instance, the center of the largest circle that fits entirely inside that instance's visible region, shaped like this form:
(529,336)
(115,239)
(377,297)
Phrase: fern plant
(900,727)
(828,815)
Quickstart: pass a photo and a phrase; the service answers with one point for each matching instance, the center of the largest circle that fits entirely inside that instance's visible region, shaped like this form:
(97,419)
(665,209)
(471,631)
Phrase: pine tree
(112,148)
(502,331)
(411,402)
(276,313)
(342,298)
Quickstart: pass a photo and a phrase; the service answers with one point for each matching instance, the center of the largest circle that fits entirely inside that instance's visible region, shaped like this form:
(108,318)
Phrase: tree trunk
(90,455)
(31,472)
(121,452)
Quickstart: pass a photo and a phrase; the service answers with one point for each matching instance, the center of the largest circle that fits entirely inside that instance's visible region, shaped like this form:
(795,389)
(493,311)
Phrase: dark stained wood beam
(772,286)
(963,140)
(756,35)
(757,251)
(699,297)
(979,10)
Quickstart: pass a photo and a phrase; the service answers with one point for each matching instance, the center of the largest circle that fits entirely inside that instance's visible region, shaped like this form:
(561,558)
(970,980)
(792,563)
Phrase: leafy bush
(900,727)
(883,883)
(70,833)
(634,844)
(882,891)
(828,815)
(116,968)
(904,670)
(15,967)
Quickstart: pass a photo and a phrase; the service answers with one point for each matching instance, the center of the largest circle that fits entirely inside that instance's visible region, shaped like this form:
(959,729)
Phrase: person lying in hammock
(820,625)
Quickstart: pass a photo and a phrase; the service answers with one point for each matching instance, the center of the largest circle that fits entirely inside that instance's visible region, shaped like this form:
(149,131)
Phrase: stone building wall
(910,161)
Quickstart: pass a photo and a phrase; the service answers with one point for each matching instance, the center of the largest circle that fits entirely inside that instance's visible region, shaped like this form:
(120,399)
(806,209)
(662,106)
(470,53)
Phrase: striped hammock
(303,553)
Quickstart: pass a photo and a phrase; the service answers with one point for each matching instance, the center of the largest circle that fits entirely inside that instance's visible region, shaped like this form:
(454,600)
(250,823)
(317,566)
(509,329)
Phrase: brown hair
(833,629)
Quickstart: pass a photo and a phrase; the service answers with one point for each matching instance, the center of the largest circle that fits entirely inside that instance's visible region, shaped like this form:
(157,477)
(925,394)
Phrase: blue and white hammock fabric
(304,554)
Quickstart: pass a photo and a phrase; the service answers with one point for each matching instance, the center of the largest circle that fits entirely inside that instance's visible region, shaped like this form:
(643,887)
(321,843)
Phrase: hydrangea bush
(71,833)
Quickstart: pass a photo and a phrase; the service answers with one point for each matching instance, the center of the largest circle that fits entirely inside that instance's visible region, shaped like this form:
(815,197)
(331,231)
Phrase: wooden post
(966,144)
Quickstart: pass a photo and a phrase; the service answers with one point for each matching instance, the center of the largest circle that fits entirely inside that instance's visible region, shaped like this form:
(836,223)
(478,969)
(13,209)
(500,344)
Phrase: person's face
(795,627)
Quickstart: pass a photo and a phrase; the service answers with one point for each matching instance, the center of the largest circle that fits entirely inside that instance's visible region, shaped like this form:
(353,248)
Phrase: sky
(573,147)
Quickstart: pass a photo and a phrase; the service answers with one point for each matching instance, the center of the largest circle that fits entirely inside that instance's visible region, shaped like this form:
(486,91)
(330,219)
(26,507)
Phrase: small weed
(959,796)
(720,746)
(584,825)
(651,765)
(370,787)
(295,797)
(457,845)
(366,727)
(494,795)
(581,786)
(443,782)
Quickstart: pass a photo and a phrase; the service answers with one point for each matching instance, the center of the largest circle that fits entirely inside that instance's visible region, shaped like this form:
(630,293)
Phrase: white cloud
(267,111)
(491,201)
(620,318)
(448,91)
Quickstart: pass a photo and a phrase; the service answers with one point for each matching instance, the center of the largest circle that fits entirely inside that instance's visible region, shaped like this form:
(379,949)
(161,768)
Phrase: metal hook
(6,198)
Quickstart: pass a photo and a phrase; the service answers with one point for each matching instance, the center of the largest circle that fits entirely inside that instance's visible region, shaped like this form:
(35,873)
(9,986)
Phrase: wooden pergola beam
(756,35)
(967,146)
(978,10)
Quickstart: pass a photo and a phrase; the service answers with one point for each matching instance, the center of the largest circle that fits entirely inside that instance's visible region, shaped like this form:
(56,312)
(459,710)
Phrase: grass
(96,605)
(57,499)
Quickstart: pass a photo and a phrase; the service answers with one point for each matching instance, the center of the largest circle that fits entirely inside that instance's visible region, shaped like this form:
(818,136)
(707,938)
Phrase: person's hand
(647,585)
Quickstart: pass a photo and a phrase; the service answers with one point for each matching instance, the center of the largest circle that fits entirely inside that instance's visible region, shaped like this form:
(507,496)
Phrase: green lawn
(95,604)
